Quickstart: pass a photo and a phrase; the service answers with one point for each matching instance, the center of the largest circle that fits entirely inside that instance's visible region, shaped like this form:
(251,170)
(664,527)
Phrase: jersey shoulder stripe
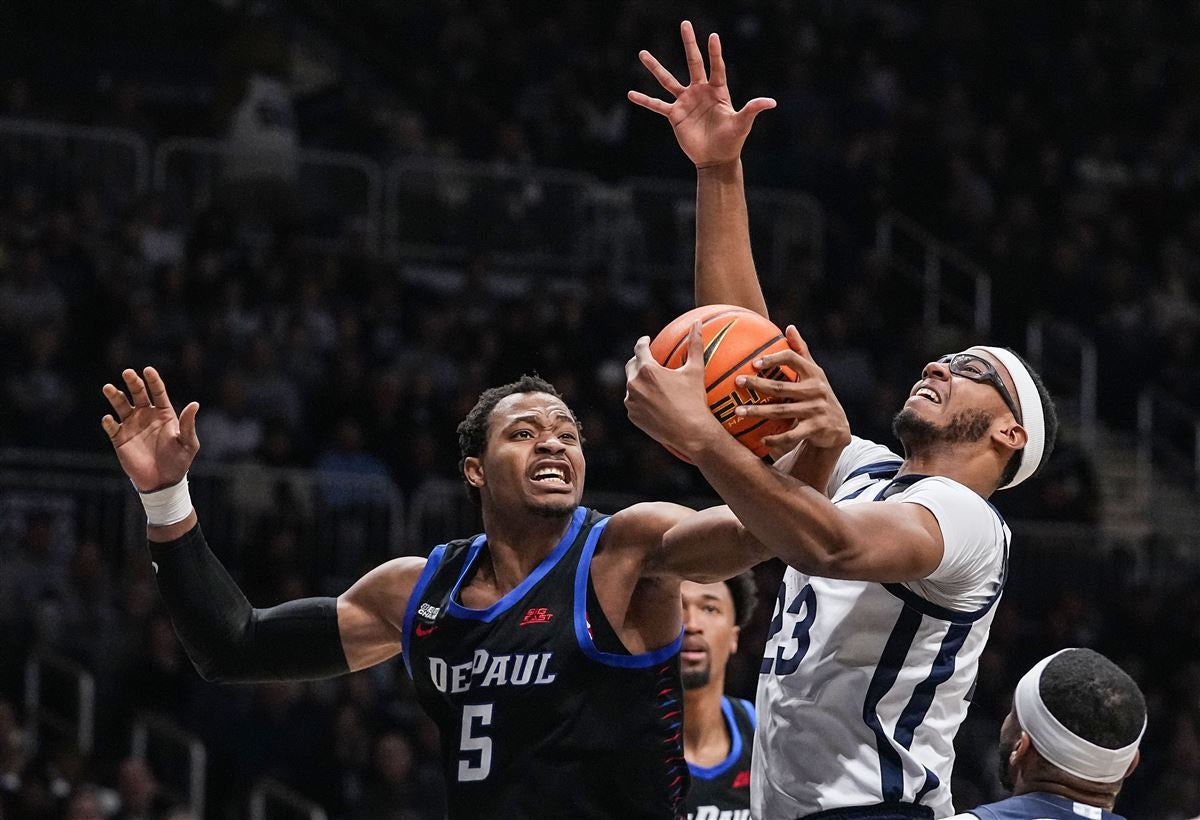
(583,636)
(431,566)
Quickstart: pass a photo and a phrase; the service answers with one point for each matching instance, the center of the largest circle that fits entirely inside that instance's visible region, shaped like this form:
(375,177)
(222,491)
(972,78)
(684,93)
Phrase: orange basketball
(733,338)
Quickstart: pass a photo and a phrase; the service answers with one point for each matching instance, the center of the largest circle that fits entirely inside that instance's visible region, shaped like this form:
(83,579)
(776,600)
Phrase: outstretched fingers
(157,388)
(651,103)
(137,388)
(118,400)
(665,78)
(111,426)
(716,62)
(187,426)
(753,108)
(695,61)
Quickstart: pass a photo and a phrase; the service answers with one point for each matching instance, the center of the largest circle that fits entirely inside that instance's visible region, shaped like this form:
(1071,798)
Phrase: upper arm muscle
(887,543)
(371,613)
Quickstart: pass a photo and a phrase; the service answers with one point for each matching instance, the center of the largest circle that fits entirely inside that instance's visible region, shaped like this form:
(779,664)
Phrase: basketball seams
(749,357)
(721,393)
(703,322)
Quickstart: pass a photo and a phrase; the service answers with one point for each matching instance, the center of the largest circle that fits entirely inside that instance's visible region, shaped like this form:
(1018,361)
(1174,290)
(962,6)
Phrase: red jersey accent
(537,615)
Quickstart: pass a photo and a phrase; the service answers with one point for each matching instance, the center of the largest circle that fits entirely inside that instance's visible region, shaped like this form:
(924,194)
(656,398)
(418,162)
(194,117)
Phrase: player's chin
(553,506)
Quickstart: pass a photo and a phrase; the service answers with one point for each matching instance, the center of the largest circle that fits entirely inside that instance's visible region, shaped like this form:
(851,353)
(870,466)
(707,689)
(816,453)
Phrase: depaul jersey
(864,685)
(535,719)
(1040,806)
(722,792)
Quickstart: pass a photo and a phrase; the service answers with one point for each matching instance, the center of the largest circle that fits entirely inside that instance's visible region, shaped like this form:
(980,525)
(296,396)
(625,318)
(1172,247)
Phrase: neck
(516,544)
(706,740)
(973,470)
(1101,795)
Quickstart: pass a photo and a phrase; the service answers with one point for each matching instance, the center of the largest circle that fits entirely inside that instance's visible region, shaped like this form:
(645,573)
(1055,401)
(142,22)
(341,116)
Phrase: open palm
(709,129)
(154,446)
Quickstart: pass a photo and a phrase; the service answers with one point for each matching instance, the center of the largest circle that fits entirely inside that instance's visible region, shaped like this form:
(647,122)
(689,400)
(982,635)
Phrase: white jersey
(864,685)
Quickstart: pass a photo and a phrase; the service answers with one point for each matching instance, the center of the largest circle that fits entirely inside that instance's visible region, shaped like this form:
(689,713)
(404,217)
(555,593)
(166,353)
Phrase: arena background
(333,224)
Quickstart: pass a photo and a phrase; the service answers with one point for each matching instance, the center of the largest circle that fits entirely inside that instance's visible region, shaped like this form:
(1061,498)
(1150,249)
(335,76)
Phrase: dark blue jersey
(536,720)
(1041,806)
(722,792)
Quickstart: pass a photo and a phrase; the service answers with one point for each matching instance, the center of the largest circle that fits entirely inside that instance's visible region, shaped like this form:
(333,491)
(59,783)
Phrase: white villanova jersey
(864,685)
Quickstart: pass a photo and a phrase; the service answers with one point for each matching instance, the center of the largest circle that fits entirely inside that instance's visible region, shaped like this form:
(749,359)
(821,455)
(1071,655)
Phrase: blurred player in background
(894,565)
(718,731)
(546,649)
(1069,741)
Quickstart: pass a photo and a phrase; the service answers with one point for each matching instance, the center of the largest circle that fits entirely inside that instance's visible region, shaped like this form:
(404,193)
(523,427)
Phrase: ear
(1010,435)
(737,631)
(1020,751)
(473,471)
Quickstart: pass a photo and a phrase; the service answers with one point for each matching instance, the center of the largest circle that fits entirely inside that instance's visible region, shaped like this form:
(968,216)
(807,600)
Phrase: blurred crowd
(1055,143)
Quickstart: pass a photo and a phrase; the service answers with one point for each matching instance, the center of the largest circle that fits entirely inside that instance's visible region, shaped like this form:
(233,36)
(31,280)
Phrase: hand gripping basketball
(809,402)
(733,338)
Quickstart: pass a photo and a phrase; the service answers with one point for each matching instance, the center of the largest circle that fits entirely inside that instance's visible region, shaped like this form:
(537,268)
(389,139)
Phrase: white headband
(1032,418)
(1059,745)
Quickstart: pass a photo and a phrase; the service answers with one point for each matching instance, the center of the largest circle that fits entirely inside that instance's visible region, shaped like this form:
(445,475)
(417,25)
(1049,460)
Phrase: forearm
(725,272)
(792,520)
(226,638)
(711,545)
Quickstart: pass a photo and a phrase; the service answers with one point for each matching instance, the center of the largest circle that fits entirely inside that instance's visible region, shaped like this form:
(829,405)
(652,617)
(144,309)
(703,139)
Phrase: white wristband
(170,505)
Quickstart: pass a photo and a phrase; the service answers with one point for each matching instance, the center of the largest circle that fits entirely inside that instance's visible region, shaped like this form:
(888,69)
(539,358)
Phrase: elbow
(830,555)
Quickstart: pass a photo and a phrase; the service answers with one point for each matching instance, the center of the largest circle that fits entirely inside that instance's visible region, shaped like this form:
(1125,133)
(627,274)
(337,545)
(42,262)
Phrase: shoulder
(640,528)
(952,503)
(396,575)
(859,458)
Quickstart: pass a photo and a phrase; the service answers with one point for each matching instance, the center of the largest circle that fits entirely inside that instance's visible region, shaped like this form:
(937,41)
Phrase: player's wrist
(167,505)
(725,170)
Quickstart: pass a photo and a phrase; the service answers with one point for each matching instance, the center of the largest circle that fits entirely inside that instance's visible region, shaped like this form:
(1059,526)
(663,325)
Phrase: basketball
(733,338)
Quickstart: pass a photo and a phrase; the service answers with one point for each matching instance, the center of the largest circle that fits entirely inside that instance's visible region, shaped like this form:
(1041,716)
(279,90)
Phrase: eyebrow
(532,418)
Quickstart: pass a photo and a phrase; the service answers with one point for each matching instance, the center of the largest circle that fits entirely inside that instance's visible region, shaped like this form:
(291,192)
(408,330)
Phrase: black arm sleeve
(230,641)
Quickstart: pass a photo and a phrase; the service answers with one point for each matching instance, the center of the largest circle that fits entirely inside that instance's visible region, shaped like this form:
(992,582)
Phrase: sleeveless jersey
(722,792)
(863,685)
(535,719)
(1041,806)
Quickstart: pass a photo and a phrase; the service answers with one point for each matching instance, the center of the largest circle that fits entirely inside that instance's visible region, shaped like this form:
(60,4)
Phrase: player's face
(534,457)
(710,633)
(957,400)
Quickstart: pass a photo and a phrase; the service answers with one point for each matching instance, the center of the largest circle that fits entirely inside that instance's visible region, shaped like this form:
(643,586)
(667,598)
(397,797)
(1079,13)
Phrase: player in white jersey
(895,565)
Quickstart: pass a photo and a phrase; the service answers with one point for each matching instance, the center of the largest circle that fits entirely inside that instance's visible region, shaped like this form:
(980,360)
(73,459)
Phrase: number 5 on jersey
(786,660)
(475,716)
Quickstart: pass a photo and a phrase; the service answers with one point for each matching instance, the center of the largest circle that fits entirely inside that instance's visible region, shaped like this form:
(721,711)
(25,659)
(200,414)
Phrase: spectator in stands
(139,792)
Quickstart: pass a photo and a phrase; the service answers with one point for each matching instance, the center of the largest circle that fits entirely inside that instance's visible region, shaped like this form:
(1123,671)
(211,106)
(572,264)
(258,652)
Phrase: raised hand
(709,130)
(155,447)
(820,419)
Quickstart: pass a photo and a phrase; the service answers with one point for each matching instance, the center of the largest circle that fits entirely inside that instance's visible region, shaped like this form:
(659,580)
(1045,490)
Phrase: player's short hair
(473,430)
(1050,420)
(1094,698)
(744,591)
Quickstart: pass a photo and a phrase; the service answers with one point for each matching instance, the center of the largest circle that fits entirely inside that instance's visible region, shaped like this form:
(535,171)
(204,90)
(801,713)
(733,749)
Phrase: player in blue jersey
(1070,740)
(546,648)
(895,565)
(718,731)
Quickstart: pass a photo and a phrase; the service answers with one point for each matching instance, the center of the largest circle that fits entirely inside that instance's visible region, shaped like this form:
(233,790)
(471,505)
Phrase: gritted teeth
(556,475)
